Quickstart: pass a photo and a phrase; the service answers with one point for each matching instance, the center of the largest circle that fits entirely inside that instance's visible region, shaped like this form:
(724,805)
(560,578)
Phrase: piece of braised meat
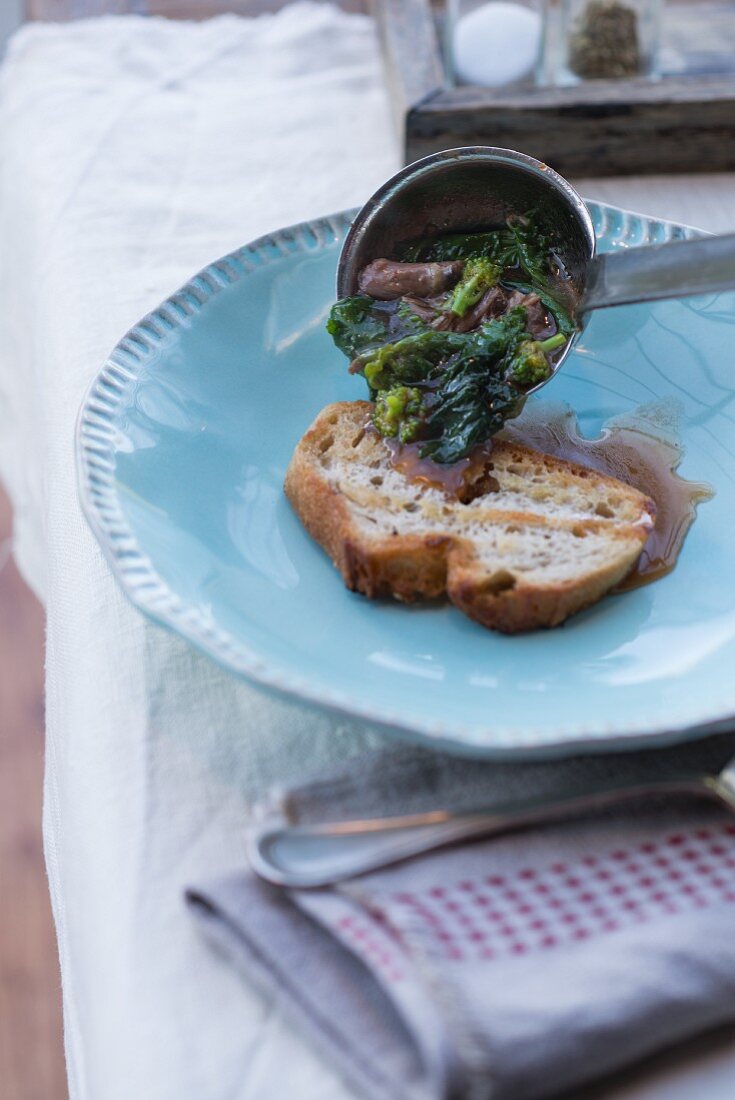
(494,303)
(427,309)
(389,279)
(537,320)
(434,312)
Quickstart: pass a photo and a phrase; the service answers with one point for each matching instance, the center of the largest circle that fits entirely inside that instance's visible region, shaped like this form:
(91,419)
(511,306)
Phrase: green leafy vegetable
(524,244)
(408,361)
(471,406)
(453,246)
(460,379)
(493,339)
(450,390)
(520,243)
(479,276)
(355,324)
(359,323)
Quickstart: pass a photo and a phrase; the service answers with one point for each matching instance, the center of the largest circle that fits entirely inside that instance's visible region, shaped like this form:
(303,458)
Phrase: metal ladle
(478,188)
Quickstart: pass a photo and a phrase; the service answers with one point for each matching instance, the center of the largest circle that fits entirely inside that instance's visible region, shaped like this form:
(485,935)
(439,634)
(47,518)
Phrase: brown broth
(640,450)
(453,478)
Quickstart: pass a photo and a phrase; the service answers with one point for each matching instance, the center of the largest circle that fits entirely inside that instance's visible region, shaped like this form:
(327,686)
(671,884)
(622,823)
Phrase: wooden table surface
(31,1056)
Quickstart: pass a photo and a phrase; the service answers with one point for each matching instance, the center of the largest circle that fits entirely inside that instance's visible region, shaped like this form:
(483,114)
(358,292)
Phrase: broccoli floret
(398,413)
(529,366)
(479,276)
(408,360)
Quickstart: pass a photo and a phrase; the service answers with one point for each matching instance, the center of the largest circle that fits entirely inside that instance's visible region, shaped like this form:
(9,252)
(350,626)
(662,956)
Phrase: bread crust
(413,566)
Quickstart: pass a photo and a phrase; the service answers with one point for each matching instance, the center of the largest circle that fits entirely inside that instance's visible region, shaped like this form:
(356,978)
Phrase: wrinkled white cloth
(132,152)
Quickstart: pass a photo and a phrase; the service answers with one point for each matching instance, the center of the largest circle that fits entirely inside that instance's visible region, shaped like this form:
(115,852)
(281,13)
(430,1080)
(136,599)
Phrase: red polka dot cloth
(511,968)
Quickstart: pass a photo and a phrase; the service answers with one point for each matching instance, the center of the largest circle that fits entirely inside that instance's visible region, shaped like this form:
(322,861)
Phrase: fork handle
(306,856)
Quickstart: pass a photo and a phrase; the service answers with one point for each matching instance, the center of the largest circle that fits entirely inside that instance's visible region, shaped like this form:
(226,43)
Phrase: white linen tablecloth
(132,152)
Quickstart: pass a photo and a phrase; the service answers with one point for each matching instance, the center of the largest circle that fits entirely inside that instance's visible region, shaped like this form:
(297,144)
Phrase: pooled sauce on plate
(640,450)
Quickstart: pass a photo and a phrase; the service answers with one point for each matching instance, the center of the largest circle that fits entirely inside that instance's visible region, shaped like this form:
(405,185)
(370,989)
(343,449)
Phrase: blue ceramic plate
(183,442)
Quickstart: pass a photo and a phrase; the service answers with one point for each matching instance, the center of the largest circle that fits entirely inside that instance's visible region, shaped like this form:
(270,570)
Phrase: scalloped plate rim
(153,597)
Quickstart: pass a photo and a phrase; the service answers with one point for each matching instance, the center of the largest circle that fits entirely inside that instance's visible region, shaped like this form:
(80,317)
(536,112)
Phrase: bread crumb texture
(548,539)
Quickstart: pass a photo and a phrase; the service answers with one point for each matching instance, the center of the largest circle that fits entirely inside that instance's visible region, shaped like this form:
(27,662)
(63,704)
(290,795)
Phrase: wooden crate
(683,123)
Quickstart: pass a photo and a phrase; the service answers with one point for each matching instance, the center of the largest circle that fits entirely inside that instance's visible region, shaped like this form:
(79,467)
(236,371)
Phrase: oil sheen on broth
(634,450)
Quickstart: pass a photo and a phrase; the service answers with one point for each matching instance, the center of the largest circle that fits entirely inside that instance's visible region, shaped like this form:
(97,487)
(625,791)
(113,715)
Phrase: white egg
(496,44)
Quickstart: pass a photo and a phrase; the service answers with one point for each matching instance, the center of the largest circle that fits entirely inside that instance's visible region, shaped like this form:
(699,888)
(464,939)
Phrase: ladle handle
(676,269)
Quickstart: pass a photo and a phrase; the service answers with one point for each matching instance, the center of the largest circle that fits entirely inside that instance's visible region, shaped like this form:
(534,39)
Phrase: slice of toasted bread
(544,540)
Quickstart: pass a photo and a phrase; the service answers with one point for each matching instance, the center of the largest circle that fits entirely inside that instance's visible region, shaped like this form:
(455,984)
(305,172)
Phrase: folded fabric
(514,967)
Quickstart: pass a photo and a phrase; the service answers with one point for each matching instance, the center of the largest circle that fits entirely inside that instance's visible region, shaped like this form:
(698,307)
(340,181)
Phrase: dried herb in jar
(605,42)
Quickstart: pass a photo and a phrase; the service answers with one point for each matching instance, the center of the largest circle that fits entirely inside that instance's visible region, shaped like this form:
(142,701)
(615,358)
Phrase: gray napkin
(515,967)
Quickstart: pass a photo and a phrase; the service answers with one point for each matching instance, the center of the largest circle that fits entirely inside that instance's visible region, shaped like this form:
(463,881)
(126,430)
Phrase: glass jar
(495,43)
(608,40)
